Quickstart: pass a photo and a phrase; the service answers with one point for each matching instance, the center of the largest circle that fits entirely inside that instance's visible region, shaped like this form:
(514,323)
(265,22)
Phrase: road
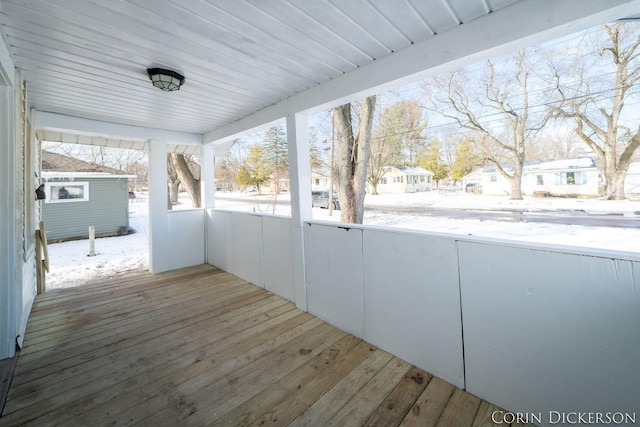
(576,217)
(567,217)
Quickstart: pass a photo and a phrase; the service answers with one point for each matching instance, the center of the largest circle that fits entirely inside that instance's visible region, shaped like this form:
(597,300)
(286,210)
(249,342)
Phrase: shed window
(64,192)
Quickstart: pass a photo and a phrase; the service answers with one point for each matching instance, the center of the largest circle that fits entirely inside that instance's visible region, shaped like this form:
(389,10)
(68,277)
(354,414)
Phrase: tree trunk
(190,183)
(352,159)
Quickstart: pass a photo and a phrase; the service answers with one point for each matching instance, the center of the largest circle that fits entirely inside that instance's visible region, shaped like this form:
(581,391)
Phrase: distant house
(320,180)
(632,181)
(405,179)
(563,177)
(92,195)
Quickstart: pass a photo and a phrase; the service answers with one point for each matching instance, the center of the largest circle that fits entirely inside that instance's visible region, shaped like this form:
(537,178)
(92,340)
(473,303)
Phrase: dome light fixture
(166,80)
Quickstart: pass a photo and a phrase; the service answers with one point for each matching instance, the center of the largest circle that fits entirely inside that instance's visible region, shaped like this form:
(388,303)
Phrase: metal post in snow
(92,240)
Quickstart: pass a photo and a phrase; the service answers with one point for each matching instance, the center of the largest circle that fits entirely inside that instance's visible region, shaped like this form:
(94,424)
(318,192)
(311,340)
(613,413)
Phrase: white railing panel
(412,300)
(333,262)
(186,234)
(550,331)
(277,260)
(235,244)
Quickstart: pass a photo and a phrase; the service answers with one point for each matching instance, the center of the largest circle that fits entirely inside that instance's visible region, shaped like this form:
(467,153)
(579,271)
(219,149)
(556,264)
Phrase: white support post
(208,178)
(92,240)
(158,215)
(299,178)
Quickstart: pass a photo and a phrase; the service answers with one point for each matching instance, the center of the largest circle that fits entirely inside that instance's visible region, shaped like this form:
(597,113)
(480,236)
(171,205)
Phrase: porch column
(300,181)
(208,177)
(159,245)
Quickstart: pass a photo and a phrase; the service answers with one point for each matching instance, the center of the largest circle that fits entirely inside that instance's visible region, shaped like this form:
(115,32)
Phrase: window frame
(54,184)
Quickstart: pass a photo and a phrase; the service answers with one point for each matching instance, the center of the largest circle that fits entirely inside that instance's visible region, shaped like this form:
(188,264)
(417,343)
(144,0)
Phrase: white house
(320,180)
(404,179)
(632,181)
(562,177)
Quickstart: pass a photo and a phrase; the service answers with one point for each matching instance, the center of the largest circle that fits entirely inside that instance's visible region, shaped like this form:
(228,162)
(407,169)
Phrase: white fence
(529,327)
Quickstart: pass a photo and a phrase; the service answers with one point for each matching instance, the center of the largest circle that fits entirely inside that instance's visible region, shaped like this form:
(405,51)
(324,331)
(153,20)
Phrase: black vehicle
(320,199)
(473,187)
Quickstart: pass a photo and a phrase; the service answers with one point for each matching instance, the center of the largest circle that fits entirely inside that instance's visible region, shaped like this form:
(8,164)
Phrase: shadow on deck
(199,346)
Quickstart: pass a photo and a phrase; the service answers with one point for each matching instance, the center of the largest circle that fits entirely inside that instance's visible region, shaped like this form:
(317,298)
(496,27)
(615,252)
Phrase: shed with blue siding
(77,200)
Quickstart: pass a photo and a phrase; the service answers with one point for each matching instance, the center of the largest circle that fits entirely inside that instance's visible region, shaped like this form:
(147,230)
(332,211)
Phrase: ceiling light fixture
(166,80)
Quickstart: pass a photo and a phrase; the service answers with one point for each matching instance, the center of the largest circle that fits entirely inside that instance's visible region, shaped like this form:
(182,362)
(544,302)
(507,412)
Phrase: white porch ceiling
(88,59)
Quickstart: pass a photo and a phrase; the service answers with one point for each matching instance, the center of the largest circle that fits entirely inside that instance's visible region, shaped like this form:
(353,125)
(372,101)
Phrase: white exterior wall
(589,189)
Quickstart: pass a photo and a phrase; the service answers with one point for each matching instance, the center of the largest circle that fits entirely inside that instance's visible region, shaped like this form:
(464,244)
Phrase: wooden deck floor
(199,346)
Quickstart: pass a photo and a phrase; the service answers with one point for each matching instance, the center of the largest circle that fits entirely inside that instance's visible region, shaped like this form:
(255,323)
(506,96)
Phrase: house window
(571,178)
(64,192)
(421,178)
(539,180)
(494,178)
(317,181)
(382,180)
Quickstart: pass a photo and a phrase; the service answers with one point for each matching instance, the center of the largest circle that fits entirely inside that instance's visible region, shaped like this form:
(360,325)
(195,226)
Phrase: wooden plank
(162,342)
(429,406)
(323,409)
(86,321)
(39,266)
(149,371)
(393,410)
(460,411)
(217,355)
(358,409)
(114,339)
(483,417)
(289,397)
(209,389)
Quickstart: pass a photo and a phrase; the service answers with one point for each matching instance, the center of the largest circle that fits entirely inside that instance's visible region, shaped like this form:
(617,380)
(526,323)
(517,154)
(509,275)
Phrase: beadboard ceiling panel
(88,59)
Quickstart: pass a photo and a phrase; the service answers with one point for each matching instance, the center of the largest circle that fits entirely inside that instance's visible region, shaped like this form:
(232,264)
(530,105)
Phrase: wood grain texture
(200,347)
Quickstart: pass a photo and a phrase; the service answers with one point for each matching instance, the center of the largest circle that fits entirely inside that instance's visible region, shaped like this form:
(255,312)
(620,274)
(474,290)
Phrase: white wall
(334,275)
(186,234)
(253,247)
(9,293)
(546,330)
(412,300)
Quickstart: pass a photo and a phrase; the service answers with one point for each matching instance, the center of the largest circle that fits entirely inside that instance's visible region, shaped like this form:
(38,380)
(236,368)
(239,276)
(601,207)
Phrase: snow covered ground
(71,265)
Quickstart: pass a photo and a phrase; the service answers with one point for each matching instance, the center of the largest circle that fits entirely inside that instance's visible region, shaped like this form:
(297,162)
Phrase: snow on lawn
(71,265)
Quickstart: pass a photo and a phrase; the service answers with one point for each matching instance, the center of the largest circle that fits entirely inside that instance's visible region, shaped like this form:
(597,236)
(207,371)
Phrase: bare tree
(352,158)
(596,103)
(396,139)
(505,97)
(189,177)
(173,182)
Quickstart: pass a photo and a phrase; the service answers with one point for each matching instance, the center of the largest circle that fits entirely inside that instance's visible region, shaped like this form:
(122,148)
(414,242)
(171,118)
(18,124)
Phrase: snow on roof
(411,170)
(547,165)
(75,175)
(579,163)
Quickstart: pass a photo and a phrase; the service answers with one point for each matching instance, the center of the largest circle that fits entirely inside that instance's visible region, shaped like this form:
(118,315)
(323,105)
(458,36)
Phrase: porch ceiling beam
(522,24)
(69,124)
